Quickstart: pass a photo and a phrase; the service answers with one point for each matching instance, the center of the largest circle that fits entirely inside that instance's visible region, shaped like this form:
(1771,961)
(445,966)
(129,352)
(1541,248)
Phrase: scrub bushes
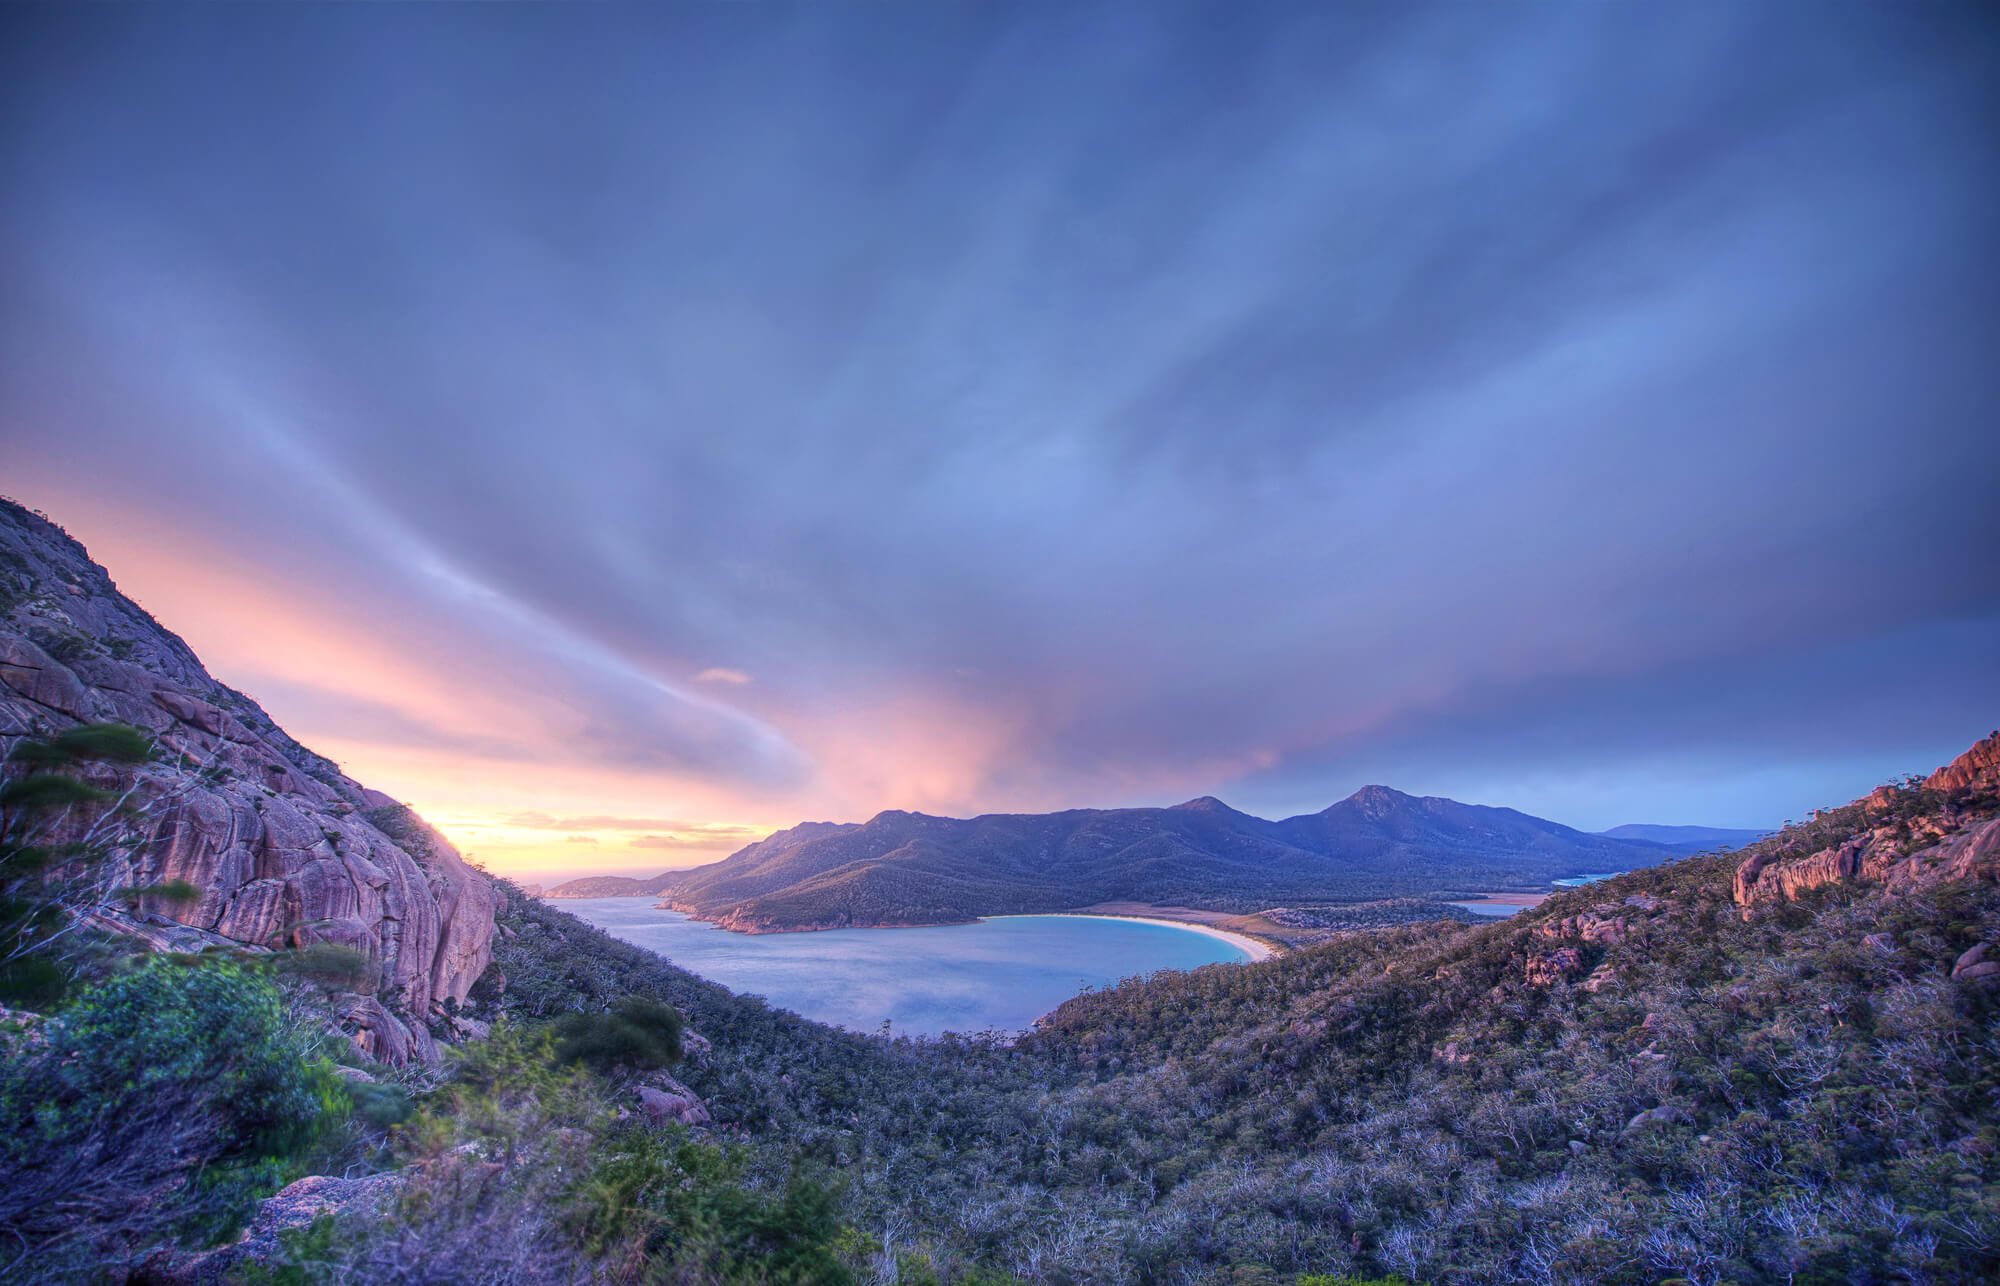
(160,1105)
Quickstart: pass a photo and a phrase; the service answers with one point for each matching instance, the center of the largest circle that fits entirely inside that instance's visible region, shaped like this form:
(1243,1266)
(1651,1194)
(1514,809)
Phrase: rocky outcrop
(1976,772)
(1592,926)
(281,847)
(1547,968)
(1942,831)
(1779,879)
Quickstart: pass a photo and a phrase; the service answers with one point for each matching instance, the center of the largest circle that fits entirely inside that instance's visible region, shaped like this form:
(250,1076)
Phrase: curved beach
(1253,947)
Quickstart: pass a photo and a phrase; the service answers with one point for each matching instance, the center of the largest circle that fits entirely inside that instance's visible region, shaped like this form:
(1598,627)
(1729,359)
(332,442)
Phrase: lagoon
(998,974)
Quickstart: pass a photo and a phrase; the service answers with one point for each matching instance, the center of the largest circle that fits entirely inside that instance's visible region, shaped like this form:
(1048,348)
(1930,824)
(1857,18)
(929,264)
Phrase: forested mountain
(908,868)
(611,886)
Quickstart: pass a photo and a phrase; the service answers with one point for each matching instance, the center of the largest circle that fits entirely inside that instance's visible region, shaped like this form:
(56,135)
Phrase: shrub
(165,1101)
(44,885)
(639,1034)
(660,1206)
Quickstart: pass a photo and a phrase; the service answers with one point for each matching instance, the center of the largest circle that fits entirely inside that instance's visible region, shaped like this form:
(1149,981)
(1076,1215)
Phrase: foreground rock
(294,1207)
(281,847)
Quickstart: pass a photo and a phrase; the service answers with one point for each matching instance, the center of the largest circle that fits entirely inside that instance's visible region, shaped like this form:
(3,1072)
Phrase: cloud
(714,837)
(582,839)
(1149,407)
(600,822)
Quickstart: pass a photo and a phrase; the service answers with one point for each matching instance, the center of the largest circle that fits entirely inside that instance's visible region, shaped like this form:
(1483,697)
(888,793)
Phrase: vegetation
(58,828)
(158,1105)
(1636,1081)
(1805,1094)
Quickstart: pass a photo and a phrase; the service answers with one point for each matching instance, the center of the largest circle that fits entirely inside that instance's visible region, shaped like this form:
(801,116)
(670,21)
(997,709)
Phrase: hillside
(1757,1067)
(280,848)
(908,868)
(1687,839)
(611,886)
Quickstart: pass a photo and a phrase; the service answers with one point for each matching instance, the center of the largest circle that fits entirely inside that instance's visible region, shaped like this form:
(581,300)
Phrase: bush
(44,885)
(658,1206)
(164,1102)
(640,1034)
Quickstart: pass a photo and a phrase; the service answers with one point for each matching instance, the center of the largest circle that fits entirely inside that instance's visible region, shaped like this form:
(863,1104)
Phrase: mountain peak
(1378,796)
(1203,804)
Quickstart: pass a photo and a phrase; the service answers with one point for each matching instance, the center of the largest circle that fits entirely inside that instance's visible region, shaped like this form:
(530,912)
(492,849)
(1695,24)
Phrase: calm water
(1490,908)
(997,974)
(1570,882)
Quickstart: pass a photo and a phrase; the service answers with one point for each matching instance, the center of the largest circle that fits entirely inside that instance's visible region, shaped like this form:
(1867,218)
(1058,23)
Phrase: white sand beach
(1257,950)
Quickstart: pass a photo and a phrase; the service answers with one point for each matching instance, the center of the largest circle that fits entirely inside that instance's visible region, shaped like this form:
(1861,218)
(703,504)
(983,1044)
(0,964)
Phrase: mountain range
(904,868)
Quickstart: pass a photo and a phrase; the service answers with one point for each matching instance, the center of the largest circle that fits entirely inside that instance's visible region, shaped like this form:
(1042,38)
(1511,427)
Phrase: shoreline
(1256,948)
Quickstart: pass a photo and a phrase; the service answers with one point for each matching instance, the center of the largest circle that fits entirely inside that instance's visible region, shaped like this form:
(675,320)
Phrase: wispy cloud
(1483,400)
(711,838)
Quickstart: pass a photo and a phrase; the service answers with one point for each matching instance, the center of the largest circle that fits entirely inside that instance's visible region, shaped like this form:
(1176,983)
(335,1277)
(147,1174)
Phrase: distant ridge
(903,868)
(610,886)
(1687,839)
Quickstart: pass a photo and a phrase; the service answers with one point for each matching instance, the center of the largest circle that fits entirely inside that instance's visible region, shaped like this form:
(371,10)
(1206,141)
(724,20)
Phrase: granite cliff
(282,849)
(1903,839)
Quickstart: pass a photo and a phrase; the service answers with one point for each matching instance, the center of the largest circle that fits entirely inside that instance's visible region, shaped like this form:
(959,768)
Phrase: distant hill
(611,886)
(905,868)
(1687,839)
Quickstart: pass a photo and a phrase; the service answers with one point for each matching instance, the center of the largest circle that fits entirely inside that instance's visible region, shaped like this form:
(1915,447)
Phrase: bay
(998,974)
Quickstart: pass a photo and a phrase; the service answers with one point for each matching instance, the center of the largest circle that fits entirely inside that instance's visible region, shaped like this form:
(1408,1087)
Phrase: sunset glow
(617,490)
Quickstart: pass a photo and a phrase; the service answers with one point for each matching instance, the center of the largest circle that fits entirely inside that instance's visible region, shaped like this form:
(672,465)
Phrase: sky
(622,431)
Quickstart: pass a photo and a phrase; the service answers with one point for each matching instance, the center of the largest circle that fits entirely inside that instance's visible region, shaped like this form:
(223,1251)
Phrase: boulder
(1664,1115)
(1973,967)
(666,1101)
(295,1206)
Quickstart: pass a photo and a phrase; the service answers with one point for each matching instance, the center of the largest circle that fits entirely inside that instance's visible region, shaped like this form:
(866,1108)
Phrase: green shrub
(679,1210)
(638,1034)
(165,1101)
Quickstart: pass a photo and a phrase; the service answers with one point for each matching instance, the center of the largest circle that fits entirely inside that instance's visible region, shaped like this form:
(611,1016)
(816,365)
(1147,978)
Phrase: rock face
(284,849)
(1946,829)
(1547,968)
(1976,772)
